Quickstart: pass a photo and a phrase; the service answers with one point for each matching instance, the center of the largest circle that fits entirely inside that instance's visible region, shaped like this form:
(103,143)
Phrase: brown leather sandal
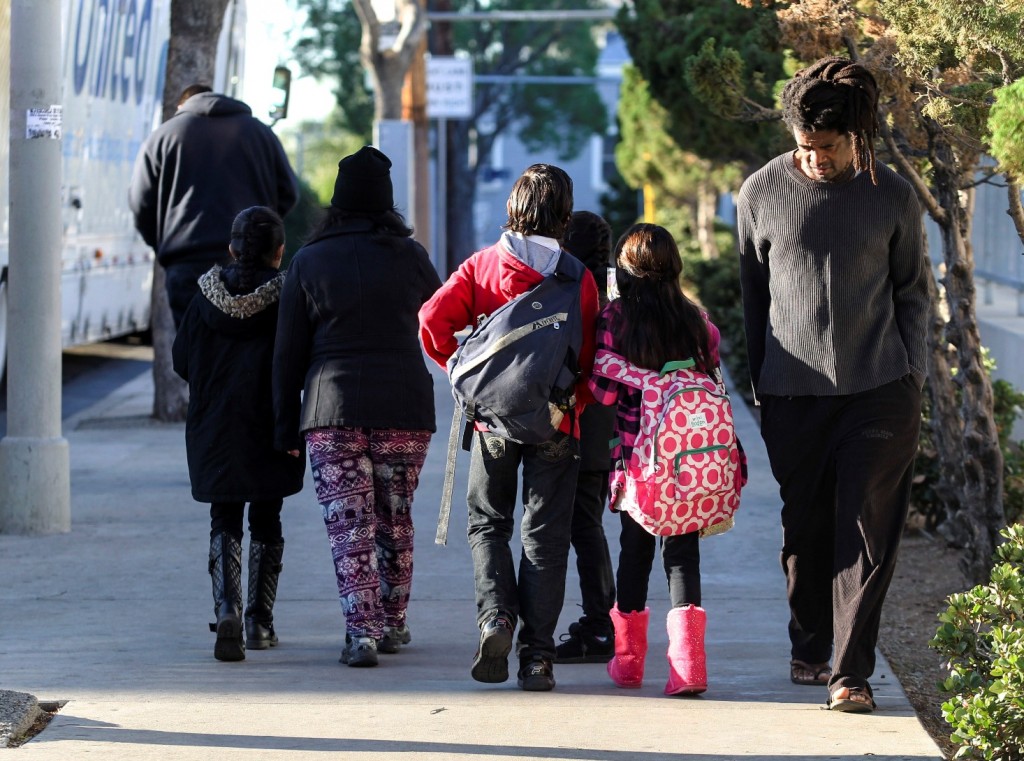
(857,700)
(801,672)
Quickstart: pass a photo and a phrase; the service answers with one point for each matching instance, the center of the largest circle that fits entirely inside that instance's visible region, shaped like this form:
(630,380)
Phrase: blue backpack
(516,372)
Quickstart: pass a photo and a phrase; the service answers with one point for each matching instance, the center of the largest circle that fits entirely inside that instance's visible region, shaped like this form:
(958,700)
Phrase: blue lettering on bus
(112,40)
(81,59)
(143,39)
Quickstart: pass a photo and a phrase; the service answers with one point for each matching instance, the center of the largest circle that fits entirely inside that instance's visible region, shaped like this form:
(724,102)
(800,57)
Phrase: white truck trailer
(114,55)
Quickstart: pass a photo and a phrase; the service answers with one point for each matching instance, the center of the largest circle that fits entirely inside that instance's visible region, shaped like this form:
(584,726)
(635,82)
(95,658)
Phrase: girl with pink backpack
(652,326)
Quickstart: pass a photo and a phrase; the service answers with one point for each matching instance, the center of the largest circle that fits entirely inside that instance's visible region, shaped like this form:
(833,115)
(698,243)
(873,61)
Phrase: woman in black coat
(224,349)
(347,344)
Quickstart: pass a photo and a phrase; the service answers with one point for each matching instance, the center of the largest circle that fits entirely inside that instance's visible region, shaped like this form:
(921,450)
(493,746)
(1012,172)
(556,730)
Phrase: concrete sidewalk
(112,618)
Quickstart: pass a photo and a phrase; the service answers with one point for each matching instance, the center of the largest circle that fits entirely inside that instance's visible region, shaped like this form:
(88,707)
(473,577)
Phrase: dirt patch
(926,573)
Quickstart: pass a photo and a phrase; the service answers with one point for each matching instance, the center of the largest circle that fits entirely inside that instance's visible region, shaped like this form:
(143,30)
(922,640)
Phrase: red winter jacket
(486,281)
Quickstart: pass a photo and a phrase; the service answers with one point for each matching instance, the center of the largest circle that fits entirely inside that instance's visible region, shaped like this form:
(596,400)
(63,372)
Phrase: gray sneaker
(393,639)
(359,651)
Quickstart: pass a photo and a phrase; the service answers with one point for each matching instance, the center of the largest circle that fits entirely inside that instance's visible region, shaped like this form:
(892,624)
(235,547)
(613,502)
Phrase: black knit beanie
(364,182)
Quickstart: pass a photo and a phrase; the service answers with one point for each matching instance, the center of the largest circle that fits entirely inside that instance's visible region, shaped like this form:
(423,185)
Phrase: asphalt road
(91,372)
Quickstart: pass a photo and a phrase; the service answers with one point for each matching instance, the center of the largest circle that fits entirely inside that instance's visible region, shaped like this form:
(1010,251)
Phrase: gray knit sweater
(835,296)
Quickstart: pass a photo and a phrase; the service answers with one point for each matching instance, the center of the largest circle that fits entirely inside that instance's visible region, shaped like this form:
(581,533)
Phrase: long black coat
(224,349)
(348,335)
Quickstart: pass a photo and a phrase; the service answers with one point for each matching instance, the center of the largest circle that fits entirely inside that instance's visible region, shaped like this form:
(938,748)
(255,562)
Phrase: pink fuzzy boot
(627,667)
(687,668)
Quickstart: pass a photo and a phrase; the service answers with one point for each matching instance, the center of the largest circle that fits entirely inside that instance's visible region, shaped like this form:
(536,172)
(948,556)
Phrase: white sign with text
(449,87)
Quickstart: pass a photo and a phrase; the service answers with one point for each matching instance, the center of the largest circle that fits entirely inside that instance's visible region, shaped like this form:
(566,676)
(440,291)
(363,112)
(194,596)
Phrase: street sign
(449,87)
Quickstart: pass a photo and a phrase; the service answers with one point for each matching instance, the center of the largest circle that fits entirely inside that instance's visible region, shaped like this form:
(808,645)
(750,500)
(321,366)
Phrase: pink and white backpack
(684,473)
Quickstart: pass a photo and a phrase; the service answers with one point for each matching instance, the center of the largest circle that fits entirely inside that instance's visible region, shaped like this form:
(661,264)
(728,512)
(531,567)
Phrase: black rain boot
(264,569)
(226,572)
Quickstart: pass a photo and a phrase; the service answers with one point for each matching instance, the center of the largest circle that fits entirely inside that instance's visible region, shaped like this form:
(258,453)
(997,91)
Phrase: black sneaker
(536,675)
(581,646)
(490,664)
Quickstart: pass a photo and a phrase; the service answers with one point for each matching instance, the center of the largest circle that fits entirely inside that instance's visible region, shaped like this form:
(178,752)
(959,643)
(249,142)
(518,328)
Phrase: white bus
(114,56)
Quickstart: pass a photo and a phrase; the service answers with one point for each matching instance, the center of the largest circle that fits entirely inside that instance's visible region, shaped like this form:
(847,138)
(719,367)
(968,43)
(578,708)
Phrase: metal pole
(35,489)
(442,198)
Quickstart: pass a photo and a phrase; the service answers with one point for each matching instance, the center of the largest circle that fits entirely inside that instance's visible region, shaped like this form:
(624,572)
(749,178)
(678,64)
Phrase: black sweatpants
(844,466)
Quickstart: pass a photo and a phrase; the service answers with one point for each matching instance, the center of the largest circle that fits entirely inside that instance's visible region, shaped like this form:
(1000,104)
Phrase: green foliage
(299,221)
(1006,125)
(717,283)
(941,34)
(1007,408)
(982,636)
(620,206)
(691,50)
(329,48)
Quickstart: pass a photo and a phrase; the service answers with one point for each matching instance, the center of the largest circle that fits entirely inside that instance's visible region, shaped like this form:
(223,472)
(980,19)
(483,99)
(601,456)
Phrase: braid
(836,94)
(256,235)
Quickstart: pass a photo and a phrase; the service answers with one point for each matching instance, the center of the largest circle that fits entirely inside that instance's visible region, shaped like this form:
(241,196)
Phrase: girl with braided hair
(835,304)
(224,348)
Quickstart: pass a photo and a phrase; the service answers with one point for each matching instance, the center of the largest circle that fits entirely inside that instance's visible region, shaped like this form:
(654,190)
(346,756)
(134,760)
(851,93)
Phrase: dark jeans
(181,281)
(593,561)
(549,482)
(264,520)
(680,555)
(844,466)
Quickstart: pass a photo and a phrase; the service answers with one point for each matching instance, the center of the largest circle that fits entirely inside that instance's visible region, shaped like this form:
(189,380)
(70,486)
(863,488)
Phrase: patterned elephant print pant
(365,479)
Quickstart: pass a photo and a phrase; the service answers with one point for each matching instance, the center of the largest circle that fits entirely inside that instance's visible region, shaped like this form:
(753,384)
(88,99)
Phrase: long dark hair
(836,94)
(384,225)
(656,323)
(256,235)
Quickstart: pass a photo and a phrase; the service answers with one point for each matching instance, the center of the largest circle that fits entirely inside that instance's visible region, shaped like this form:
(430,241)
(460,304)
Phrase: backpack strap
(609,364)
(671,367)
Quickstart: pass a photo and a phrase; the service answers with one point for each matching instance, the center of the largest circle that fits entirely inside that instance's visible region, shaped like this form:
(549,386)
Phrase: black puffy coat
(348,335)
(224,349)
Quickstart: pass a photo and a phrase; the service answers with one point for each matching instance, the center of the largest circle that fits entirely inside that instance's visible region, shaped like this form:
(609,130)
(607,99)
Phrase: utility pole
(35,483)
(414,109)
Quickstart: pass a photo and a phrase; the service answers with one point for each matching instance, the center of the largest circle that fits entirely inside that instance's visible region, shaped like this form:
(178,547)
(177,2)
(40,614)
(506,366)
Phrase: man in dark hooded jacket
(194,173)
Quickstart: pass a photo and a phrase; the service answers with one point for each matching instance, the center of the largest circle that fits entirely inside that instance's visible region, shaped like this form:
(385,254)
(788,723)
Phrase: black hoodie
(201,167)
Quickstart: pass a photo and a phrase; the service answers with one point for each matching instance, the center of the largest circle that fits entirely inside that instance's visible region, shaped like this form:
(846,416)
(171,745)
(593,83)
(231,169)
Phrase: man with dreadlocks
(835,303)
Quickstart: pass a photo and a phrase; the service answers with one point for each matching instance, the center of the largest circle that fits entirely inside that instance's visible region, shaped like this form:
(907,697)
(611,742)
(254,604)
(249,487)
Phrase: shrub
(982,636)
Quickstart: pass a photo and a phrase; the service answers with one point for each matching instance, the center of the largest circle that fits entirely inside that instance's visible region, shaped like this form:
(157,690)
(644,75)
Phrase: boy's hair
(657,323)
(256,235)
(836,94)
(540,202)
(193,89)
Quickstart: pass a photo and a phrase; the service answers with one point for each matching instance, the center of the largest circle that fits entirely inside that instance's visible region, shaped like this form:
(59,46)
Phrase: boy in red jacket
(539,209)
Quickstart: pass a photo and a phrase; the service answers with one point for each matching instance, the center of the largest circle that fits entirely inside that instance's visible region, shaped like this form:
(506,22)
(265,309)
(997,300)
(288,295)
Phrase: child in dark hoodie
(224,349)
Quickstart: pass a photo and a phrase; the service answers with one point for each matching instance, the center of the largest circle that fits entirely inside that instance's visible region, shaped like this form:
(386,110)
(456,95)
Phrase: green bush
(982,636)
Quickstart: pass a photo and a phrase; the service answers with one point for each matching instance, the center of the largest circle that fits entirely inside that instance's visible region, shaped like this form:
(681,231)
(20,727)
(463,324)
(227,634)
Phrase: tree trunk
(707,205)
(944,425)
(388,59)
(976,522)
(191,58)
